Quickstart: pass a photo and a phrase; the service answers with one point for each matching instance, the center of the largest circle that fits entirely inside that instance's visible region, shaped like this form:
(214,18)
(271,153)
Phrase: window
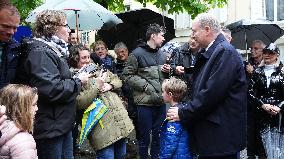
(280,10)
(182,21)
(85,37)
(270,8)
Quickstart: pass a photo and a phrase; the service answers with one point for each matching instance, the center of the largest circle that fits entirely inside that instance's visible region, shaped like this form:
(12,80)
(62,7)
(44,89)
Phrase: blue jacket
(216,114)
(9,63)
(174,141)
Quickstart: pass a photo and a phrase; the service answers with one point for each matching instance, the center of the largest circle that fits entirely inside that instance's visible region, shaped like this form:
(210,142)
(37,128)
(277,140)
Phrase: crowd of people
(218,103)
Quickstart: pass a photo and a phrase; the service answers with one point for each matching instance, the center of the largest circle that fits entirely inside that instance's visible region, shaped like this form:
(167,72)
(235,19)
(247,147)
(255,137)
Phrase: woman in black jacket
(267,92)
(44,66)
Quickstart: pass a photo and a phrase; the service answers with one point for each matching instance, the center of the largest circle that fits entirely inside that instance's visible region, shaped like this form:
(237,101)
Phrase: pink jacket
(16,144)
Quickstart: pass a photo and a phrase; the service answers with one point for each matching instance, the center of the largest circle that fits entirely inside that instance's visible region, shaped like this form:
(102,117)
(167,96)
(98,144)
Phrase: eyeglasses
(65,25)
(100,48)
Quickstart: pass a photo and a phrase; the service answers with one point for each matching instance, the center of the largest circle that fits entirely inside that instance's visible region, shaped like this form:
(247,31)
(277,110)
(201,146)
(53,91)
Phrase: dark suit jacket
(9,62)
(217,113)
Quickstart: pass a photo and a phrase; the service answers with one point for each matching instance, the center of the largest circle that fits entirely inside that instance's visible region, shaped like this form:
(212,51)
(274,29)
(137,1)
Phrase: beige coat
(116,122)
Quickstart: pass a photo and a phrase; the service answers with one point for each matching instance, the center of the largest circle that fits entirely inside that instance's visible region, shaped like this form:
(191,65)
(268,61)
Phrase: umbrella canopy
(91,117)
(22,32)
(246,31)
(81,14)
(134,27)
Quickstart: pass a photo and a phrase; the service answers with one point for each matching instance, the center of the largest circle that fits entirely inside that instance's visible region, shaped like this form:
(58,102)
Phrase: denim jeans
(114,151)
(60,147)
(150,119)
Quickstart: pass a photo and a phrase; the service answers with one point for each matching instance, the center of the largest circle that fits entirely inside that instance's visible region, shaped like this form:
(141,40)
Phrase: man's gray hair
(258,42)
(7,5)
(119,45)
(206,19)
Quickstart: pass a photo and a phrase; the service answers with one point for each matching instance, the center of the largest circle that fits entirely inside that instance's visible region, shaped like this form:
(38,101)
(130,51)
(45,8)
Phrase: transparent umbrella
(81,14)
(273,141)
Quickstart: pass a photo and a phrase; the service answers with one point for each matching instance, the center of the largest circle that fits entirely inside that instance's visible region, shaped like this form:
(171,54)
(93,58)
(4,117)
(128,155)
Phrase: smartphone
(188,70)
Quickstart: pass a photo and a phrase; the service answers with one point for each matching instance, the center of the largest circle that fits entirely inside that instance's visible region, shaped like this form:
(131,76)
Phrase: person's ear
(153,36)
(207,29)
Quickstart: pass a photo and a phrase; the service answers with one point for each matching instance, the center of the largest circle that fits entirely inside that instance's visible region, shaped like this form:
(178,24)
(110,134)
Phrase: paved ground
(90,154)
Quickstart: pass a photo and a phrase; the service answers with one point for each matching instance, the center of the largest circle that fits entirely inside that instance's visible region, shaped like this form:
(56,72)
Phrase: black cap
(272,48)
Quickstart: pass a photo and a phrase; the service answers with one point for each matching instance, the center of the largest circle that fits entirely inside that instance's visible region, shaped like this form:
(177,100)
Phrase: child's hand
(172,114)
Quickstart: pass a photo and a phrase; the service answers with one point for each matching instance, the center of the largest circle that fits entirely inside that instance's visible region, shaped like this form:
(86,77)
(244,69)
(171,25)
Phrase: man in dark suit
(216,115)
(9,21)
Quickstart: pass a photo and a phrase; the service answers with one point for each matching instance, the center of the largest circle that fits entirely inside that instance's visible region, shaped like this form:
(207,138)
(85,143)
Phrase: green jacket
(116,122)
(144,76)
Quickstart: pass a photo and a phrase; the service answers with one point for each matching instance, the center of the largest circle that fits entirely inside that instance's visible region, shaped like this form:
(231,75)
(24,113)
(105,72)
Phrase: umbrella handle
(246,40)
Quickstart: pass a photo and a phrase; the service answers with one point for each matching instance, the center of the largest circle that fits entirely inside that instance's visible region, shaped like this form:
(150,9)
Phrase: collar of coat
(207,54)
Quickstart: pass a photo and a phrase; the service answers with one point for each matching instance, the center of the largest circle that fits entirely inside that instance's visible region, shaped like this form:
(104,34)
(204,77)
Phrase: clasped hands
(271,109)
(101,84)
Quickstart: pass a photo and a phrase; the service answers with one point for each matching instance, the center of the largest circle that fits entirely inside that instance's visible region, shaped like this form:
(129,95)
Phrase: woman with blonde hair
(21,106)
(45,67)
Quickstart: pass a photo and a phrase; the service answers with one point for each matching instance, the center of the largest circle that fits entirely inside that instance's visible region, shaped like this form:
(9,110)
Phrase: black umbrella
(245,31)
(134,27)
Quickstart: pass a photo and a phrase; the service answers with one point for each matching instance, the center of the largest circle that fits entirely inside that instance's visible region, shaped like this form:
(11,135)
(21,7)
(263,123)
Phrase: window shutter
(257,9)
(182,21)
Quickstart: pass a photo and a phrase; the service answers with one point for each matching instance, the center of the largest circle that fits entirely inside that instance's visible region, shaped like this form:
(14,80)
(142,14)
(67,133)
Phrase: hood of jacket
(8,130)
(147,47)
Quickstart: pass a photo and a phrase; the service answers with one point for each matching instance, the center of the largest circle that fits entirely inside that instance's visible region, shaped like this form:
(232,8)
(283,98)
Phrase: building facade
(272,10)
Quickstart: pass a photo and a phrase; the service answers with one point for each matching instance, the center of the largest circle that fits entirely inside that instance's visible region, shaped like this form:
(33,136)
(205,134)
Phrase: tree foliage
(26,6)
(193,7)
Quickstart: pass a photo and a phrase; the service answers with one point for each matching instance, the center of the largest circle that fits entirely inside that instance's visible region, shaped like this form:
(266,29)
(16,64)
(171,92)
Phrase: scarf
(59,44)
(268,70)
(107,62)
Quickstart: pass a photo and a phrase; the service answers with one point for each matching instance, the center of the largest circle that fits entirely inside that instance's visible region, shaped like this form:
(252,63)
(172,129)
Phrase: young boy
(174,138)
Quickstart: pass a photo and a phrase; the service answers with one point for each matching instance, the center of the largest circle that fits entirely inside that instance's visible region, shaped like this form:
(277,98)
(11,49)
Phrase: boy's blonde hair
(175,87)
(18,99)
